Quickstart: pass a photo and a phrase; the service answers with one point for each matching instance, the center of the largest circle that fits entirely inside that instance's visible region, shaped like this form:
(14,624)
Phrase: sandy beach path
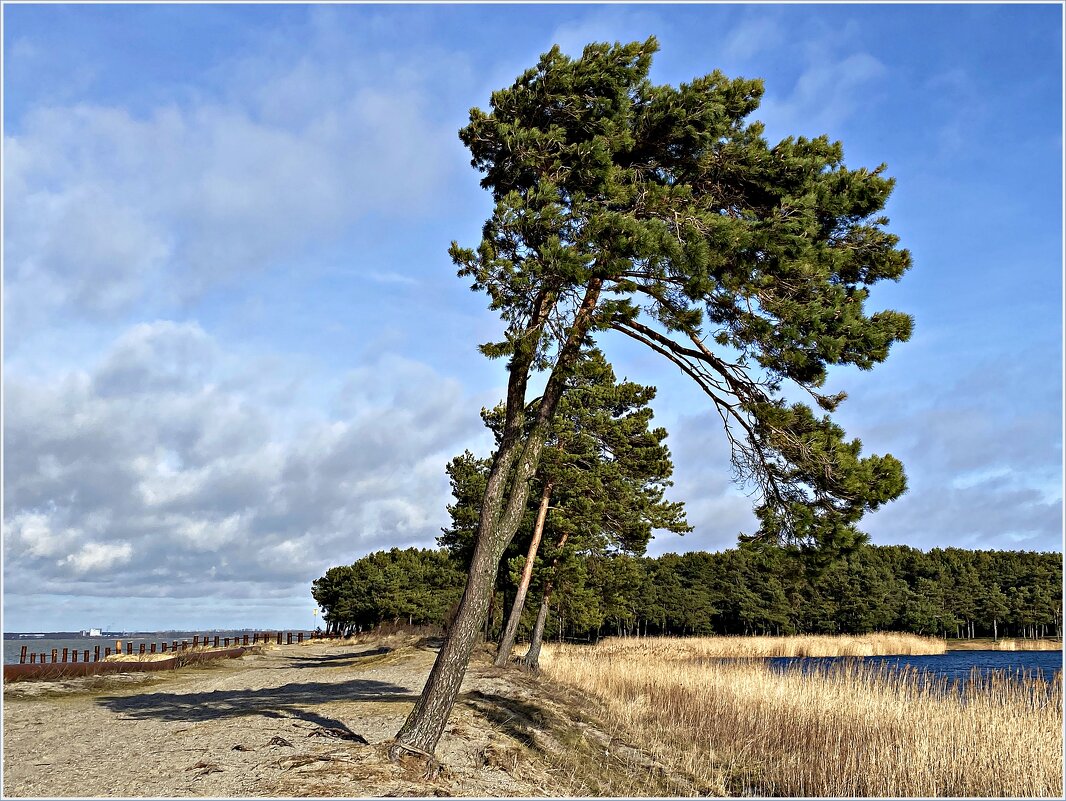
(264,724)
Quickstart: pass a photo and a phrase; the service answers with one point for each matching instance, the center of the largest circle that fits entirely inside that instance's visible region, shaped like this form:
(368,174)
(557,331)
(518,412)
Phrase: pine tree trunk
(488,614)
(505,601)
(507,640)
(532,658)
(504,503)
(424,725)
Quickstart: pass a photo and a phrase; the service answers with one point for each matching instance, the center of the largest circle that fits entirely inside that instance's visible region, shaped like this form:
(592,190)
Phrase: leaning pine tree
(661,213)
(601,482)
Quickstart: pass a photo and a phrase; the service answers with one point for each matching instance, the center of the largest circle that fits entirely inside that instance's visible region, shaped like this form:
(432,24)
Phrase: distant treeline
(952,592)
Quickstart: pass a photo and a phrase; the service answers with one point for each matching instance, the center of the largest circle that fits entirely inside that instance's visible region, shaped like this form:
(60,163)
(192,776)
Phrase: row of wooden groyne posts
(66,661)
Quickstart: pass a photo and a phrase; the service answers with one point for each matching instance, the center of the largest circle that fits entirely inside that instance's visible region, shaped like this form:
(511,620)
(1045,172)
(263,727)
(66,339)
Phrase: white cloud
(827,93)
(715,506)
(107,210)
(32,533)
(756,33)
(156,467)
(209,535)
(962,110)
(93,556)
(605,24)
(156,357)
(995,513)
(390,278)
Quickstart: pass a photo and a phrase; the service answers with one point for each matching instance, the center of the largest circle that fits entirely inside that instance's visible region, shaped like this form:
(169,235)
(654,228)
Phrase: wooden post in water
(118,646)
(33,659)
(64,656)
(174,645)
(185,644)
(22,656)
(299,637)
(96,654)
(225,642)
(129,648)
(152,649)
(288,638)
(279,638)
(245,639)
(107,653)
(216,641)
(55,655)
(195,642)
(141,649)
(74,655)
(86,654)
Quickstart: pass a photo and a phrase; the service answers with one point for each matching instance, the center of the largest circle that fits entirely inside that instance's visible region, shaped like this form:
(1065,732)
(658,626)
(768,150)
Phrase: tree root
(433,768)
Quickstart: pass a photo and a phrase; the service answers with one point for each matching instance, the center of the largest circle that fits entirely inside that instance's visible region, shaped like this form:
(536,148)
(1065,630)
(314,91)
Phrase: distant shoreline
(74,635)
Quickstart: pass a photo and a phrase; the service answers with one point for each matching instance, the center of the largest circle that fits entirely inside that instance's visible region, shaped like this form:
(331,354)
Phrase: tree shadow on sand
(515,718)
(286,701)
(336,660)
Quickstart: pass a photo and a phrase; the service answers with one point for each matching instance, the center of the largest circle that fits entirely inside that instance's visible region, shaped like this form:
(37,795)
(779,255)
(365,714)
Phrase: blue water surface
(953,665)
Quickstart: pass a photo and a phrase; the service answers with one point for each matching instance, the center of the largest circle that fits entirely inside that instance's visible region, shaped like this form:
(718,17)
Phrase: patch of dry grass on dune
(847,730)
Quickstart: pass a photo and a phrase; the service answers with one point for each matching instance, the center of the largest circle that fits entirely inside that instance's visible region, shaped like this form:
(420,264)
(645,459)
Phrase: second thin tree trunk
(532,658)
(511,630)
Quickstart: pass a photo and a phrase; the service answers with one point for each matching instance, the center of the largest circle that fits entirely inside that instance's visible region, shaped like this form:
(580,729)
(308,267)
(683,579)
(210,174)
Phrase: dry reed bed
(846,730)
(1008,645)
(803,645)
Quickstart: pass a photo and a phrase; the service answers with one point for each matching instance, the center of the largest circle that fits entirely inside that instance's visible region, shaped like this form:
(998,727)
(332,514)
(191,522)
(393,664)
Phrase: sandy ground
(291,721)
(296,721)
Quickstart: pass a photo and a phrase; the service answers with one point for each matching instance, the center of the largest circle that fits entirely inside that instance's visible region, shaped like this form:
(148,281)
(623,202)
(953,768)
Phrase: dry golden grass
(879,644)
(1030,645)
(988,644)
(847,730)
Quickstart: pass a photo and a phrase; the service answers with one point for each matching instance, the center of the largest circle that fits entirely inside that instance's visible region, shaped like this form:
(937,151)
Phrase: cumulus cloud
(715,506)
(756,32)
(983,466)
(606,24)
(93,556)
(107,208)
(827,93)
(996,514)
(149,470)
(156,357)
(984,470)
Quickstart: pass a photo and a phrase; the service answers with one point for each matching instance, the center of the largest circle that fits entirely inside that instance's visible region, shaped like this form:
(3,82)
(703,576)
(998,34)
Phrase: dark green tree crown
(746,265)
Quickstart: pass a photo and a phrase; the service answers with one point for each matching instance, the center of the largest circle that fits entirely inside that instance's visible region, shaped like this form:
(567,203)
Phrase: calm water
(12,648)
(954,665)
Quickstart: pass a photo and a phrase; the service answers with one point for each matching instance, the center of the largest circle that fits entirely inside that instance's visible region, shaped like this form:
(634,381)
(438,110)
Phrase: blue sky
(236,352)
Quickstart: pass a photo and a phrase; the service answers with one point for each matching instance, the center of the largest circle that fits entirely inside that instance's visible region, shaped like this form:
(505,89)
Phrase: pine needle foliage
(747,265)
